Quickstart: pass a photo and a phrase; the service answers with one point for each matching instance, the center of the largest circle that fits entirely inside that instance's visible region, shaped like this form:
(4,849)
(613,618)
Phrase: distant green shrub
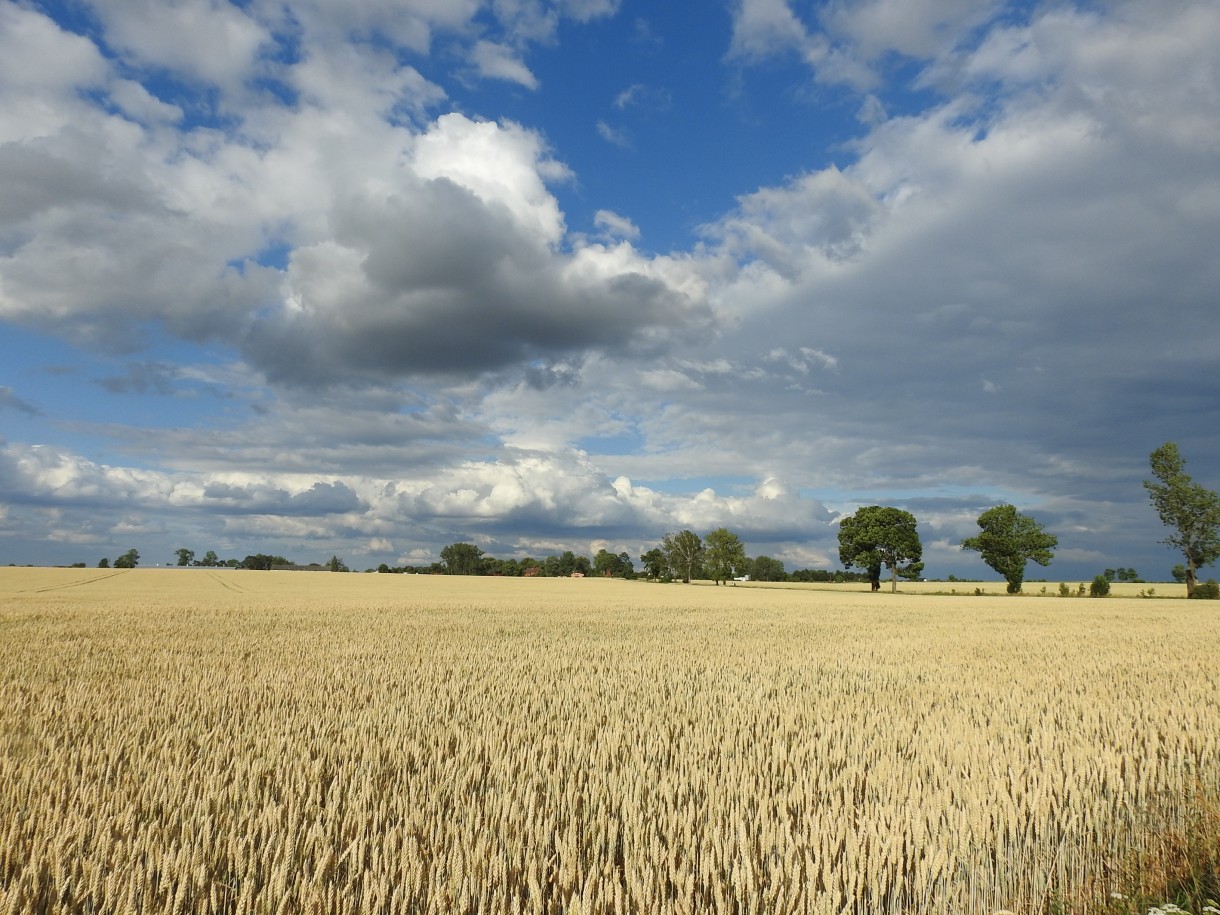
(1100,587)
(1207,590)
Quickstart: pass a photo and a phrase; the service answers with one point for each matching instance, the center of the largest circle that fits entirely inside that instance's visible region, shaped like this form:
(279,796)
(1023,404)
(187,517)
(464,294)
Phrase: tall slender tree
(724,554)
(684,552)
(1190,510)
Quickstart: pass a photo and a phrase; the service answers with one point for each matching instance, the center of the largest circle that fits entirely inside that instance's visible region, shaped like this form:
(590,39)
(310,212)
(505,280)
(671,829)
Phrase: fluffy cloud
(1025,243)
(209,40)
(765,27)
(403,242)
(438,280)
(495,61)
(521,500)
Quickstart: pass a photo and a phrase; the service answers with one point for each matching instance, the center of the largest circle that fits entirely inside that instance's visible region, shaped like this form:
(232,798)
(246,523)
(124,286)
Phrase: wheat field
(259,742)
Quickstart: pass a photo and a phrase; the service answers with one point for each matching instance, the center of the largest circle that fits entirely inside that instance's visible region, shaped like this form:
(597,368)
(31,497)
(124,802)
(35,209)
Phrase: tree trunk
(1192,577)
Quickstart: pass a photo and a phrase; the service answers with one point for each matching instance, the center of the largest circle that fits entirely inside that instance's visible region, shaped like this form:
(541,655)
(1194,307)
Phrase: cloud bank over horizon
(306,279)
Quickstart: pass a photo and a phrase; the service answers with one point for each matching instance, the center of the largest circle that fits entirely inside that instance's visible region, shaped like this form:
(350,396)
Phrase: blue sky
(320,278)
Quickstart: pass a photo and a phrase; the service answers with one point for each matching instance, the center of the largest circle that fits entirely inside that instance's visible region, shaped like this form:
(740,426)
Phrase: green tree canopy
(655,563)
(128,560)
(185,556)
(684,554)
(606,563)
(1007,540)
(723,554)
(462,559)
(1190,510)
(262,562)
(877,536)
(765,568)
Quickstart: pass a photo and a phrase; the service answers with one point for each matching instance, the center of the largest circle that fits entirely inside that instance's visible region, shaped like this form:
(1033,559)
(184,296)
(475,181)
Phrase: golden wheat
(240,742)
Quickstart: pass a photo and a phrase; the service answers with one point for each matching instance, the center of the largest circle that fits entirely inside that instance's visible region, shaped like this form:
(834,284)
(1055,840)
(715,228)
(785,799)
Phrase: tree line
(879,536)
(257,561)
(874,539)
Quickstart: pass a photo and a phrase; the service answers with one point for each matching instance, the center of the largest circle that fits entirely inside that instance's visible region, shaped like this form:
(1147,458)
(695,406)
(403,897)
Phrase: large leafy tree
(723,554)
(128,560)
(263,562)
(462,559)
(684,554)
(878,535)
(1007,540)
(607,563)
(766,568)
(655,563)
(1191,510)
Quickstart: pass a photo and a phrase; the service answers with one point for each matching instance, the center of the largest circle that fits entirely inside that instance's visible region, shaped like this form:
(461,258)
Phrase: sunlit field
(231,741)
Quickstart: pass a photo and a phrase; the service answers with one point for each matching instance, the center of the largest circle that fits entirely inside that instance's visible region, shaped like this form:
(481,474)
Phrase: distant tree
(683,554)
(128,560)
(185,557)
(724,555)
(617,565)
(1207,590)
(337,565)
(104,563)
(604,563)
(877,536)
(764,568)
(1178,572)
(566,564)
(210,560)
(1007,540)
(260,562)
(383,568)
(856,549)
(1190,510)
(1100,586)
(462,559)
(626,569)
(654,562)
(508,568)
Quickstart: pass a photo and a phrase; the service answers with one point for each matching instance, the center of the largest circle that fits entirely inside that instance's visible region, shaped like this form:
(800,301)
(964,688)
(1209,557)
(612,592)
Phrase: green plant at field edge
(1208,590)
(1182,866)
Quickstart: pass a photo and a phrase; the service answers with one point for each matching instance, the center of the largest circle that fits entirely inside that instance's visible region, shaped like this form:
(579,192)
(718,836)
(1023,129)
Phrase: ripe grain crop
(260,742)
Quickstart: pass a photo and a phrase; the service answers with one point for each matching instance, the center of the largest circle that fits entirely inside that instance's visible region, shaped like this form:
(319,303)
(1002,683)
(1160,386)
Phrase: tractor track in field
(73,584)
(235,588)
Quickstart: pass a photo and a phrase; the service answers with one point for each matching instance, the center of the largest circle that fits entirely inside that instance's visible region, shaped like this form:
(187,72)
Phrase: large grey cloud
(1039,260)
(413,249)
(434,279)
